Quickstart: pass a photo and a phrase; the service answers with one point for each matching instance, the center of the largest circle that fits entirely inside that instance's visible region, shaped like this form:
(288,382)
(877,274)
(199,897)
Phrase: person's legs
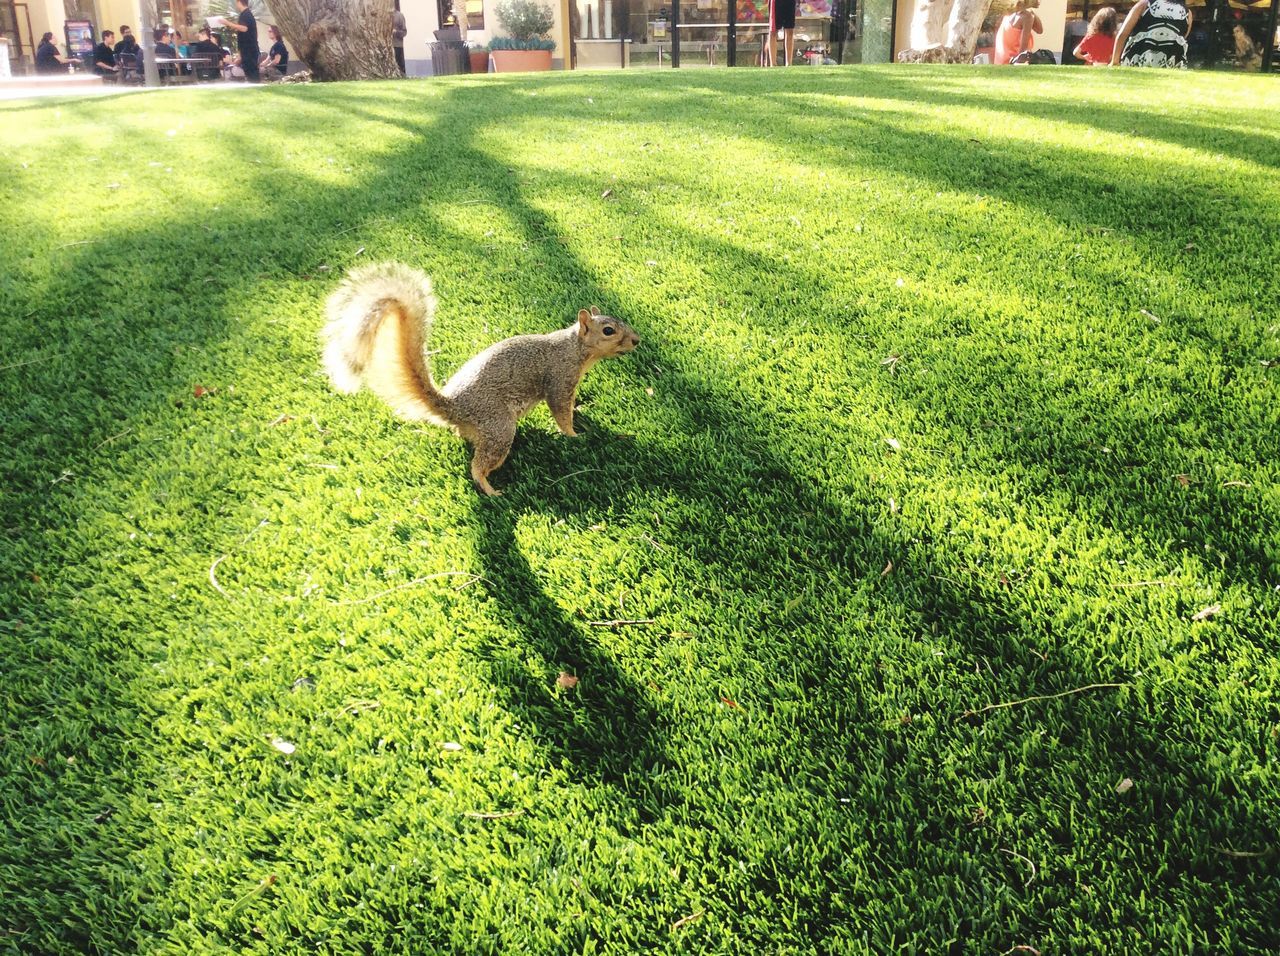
(789,44)
(250,66)
(400,59)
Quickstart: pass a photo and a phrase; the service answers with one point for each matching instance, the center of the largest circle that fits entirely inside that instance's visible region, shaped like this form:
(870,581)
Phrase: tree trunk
(338,39)
(961,33)
(929,25)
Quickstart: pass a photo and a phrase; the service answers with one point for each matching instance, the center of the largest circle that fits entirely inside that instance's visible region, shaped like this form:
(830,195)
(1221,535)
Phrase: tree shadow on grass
(913,787)
(904,768)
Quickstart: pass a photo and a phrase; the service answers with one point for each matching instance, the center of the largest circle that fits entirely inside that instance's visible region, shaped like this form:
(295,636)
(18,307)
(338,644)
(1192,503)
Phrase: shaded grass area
(957,388)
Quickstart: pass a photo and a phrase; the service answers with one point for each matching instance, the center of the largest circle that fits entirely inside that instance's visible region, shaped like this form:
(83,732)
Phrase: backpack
(1034,57)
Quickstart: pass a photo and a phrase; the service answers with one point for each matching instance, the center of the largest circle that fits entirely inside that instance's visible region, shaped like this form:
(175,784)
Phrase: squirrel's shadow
(605,726)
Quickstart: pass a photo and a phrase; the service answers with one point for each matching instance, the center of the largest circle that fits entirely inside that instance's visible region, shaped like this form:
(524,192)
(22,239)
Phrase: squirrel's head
(604,335)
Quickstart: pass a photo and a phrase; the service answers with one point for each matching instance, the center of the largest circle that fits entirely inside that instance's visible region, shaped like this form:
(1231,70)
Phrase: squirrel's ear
(584,321)
(595,310)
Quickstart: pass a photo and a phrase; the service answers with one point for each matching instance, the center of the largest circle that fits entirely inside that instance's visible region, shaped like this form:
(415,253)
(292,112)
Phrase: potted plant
(528,47)
(479,54)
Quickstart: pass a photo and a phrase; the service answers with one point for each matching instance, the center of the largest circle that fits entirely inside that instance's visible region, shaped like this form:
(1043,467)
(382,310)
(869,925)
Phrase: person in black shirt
(48,59)
(128,44)
(217,57)
(247,27)
(277,62)
(165,49)
(104,58)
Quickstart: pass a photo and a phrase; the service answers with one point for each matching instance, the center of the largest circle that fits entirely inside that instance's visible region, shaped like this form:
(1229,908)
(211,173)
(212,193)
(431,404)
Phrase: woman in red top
(1100,39)
(1017,31)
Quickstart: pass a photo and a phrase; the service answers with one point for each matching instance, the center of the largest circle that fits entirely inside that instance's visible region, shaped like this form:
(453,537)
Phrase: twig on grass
(1139,584)
(1025,860)
(253,894)
(686,920)
(414,583)
(38,358)
(476,815)
(82,242)
(1028,700)
(653,544)
(1241,854)
(370,222)
(581,471)
(1021,948)
(107,441)
(621,623)
(213,578)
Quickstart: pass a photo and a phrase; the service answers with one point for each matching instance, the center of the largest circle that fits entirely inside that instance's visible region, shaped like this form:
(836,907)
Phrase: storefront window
(648,26)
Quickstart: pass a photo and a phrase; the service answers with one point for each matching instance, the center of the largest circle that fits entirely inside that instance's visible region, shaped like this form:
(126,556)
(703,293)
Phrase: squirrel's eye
(609,330)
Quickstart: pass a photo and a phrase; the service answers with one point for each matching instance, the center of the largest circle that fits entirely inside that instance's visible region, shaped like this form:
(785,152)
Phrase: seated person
(1100,39)
(104,57)
(48,59)
(217,57)
(165,49)
(128,43)
(276,62)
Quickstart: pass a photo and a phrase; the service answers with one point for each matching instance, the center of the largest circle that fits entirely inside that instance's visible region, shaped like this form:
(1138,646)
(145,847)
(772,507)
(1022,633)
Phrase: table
(195,62)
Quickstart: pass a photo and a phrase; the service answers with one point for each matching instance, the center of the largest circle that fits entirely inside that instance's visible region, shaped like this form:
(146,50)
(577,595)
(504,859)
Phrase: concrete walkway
(31,87)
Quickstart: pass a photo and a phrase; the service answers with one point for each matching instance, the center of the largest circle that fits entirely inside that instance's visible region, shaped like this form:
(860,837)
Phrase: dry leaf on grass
(730,703)
(283,745)
(1207,612)
(566,681)
(450,746)
(1124,786)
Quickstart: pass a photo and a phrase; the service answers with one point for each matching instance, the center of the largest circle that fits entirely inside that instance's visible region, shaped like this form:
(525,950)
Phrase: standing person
(1100,40)
(399,29)
(1017,31)
(277,62)
(785,10)
(1154,34)
(104,57)
(247,26)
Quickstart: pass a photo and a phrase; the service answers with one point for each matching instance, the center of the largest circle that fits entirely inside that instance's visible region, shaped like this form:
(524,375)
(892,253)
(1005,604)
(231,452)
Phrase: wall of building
(422,19)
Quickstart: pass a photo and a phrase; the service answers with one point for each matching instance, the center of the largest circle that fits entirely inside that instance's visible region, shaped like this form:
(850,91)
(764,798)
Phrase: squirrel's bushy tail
(378,319)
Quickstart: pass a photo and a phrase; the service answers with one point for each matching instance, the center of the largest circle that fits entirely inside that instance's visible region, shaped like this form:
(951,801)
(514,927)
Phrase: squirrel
(379,319)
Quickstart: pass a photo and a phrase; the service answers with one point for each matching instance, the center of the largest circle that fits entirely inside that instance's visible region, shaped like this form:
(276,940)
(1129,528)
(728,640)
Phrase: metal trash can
(449,57)
(449,54)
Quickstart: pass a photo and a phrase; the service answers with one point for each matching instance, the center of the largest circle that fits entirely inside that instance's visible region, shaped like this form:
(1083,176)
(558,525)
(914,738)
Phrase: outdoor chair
(210,69)
(130,69)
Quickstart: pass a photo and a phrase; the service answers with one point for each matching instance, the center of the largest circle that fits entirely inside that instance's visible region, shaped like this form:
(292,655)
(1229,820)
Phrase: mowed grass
(958,388)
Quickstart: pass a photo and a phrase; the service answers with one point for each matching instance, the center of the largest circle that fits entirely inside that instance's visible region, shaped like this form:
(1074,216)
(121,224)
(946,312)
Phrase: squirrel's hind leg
(490,452)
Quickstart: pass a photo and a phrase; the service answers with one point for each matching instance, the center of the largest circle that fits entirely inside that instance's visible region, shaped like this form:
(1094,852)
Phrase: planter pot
(479,61)
(520,61)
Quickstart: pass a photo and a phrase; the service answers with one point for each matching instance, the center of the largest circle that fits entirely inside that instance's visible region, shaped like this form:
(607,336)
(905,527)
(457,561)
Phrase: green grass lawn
(957,388)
